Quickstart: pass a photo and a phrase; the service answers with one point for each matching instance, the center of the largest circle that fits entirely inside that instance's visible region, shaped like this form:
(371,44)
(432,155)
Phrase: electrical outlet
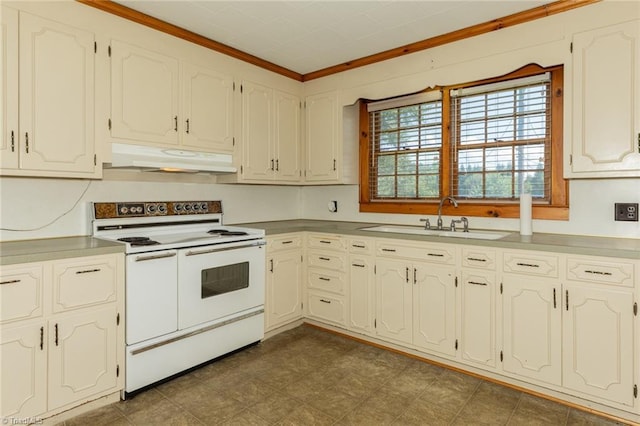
(627,212)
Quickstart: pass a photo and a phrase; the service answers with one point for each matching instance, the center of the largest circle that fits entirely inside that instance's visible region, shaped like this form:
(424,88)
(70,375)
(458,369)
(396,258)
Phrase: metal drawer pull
(358,265)
(215,250)
(41,338)
(10,282)
(200,331)
(389,250)
(415,278)
(324,258)
(554,298)
(325,242)
(476,259)
(56,327)
(598,272)
(357,246)
(157,256)
(325,301)
(566,300)
(287,242)
(435,254)
(88,271)
(325,279)
(407,274)
(528,265)
(271,267)
(476,283)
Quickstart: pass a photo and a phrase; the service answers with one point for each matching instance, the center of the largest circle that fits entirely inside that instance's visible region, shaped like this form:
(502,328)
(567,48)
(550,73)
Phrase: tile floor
(307,376)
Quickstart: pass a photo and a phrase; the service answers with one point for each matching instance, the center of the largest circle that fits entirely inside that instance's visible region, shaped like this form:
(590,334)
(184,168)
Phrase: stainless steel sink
(417,230)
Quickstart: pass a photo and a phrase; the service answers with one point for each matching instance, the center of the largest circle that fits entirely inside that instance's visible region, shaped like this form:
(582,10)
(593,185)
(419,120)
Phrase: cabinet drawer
(335,261)
(84,282)
(332,281)
(533,264)
(21,292)
(598,271)
(326,242)
(361,246)
(478,258)
(286,242)
(426,253)
(329,308)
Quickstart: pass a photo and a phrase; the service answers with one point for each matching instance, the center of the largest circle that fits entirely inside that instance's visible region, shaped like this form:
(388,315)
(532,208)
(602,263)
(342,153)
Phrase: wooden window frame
(556,209)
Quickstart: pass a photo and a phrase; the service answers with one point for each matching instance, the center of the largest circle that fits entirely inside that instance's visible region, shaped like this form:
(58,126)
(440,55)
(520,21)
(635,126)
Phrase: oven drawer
(84,282)
(328,308)
(21,292)
(327,280)
(618,272)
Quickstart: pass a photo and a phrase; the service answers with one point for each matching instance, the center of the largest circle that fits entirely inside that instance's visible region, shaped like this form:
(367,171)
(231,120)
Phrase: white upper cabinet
(321,142)
(606,102)
(207,108)
(287,136)
(53,98)
(158,100)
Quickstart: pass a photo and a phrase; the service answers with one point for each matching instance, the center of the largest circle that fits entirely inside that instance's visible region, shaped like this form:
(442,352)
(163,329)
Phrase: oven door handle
(215,250)
(157,256)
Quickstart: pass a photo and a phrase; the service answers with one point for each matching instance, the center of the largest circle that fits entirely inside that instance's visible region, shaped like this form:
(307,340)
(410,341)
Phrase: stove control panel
(155,208)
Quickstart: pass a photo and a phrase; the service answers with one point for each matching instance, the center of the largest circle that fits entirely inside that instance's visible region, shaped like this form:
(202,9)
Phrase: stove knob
(136,209)
(124,210)
(187,207)
(177,208)
(162,208)
(196,207)
(204,207)
(151,208)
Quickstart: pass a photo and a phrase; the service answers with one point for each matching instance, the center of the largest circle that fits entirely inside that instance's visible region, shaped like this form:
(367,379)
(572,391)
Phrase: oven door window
(224,279)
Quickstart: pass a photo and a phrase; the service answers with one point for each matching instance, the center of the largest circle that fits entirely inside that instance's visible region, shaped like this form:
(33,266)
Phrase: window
(481,142)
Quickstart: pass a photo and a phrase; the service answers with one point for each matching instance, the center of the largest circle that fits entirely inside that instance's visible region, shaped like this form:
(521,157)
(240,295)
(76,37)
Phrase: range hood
(155,159)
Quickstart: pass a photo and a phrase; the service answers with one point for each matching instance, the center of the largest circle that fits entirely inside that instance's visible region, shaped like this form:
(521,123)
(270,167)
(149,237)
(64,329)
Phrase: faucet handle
(465,224)
(427,224)
(452,227)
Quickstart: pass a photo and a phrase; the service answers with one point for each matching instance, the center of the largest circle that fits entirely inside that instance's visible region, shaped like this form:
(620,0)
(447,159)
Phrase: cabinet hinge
(241,169)
(571,159)
(118,370)
(241,89)
(95,47)
(571,47)
(375,323)
(456,287)
(456,344)
(301,258)
(118,319)
(375,271)
(95,159)
(234,86)
(500,288)
(635,391)
(109,51)
(109,124)
(501,356)
(233,141)
(635,309)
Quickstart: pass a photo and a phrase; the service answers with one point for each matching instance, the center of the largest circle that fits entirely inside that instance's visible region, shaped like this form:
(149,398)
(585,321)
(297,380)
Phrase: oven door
(219,281)
(151,289)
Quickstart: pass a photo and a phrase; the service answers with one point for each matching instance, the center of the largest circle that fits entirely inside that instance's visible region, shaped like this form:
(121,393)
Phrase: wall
(27,203)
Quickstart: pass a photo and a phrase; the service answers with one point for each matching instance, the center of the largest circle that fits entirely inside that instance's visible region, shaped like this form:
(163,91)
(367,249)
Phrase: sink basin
(416,230)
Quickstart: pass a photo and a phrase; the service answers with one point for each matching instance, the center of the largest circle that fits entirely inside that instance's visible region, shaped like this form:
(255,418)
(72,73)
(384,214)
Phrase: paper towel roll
(525,214)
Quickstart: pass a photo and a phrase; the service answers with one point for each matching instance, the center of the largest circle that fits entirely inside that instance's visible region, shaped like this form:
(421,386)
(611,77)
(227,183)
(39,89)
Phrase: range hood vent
(154,159)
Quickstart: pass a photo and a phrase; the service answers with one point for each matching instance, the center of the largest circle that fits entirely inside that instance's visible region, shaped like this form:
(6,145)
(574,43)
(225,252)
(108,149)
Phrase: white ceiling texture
(309,35)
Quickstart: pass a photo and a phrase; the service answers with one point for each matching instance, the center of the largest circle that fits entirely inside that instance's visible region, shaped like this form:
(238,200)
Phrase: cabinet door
(23,361)
(56,96)
(532,327)
(478,339)
(207,109)
(144,95)
(287,137)
(394,300)
(258,159)
(284,280)
(606,110)
(9,100)
(434,308)
(361,293)
(598,342)
(82,356)
(321,130)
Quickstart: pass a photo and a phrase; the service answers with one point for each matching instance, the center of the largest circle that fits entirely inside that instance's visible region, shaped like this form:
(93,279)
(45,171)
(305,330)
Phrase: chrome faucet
(452,201)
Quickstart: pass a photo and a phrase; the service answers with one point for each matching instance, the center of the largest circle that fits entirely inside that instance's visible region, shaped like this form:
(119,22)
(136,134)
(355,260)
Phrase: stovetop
(153,226)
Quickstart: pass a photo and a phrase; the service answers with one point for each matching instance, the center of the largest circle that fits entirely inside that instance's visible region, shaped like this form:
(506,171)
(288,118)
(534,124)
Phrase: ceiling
(309,35)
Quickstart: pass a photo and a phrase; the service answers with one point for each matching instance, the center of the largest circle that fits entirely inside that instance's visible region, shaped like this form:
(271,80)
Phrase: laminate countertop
(572,244)
(40,250)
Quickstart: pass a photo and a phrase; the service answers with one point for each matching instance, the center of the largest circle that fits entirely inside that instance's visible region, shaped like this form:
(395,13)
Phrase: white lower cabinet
(394,300)
(478,318)
(53,359)
(361,285)
(283,302)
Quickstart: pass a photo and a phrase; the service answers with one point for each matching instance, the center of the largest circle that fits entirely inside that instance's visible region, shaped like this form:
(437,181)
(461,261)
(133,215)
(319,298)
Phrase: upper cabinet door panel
(322,137)
(56,96)
(257,132)
(9,81)
(208,109)
(144,95)
(606,104)
(287,136)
